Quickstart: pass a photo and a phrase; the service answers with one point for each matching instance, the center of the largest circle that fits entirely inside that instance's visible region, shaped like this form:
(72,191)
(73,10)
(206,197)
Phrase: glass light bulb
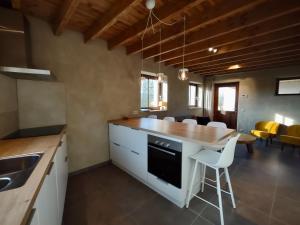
(183,74)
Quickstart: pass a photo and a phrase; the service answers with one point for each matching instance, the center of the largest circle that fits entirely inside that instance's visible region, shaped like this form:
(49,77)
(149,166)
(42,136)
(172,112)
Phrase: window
(288,86)
(195,95)
(154,94)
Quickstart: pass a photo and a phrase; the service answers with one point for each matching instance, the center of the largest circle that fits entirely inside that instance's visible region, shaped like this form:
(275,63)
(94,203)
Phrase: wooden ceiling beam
(254,64)
(252,68)
(165,13)
(265,28)
(250,55)
(108,19)
(231,30)
(67,10)
(211,15)
(275,46)
(260,59)
(255,41)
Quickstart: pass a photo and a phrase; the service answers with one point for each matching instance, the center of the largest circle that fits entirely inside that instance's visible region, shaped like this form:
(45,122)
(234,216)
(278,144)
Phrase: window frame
(152,76)
(197,85)
(285,78)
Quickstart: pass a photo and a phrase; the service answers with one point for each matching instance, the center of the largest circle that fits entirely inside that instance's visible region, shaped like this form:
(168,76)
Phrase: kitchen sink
(15,171)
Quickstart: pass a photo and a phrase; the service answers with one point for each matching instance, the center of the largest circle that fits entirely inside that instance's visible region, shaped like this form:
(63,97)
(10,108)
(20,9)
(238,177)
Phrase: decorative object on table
(248,140)
(216,161)
(265,130)
(292,137)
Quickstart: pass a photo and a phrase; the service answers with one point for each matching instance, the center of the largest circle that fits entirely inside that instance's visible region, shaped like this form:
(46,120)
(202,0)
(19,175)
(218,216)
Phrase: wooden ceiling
(254,34)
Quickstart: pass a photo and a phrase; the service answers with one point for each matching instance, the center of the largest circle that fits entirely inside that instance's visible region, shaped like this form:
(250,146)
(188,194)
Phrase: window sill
(153,110)
(194,107)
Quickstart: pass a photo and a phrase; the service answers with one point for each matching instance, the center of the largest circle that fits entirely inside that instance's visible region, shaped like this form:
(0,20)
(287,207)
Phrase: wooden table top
(193,133)
(16,204)
(246,139)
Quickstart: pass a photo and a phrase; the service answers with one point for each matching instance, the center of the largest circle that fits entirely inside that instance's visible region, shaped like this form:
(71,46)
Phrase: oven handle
(159,149)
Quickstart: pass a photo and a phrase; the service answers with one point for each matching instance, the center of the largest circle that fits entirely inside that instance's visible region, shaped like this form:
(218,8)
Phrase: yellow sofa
(292,137)
(265,130)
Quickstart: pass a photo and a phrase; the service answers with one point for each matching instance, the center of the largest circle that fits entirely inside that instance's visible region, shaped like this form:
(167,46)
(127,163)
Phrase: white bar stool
(190,121)
(152,116)
(216,161)
(170,119)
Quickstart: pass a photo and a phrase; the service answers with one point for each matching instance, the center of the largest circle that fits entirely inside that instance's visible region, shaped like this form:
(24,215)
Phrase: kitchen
(73,114)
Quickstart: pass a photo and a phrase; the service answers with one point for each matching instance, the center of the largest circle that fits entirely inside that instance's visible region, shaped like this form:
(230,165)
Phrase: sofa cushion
(260,134)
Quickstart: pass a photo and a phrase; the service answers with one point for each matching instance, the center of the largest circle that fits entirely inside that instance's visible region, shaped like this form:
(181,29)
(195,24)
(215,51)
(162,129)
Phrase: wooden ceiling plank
(249,55)
(67,10)
(252,68)
(232,24)
(265,28)
(165,13)
(255,41)
(16,4)
(210,16)
(108,19)
(267,62)
(282,56)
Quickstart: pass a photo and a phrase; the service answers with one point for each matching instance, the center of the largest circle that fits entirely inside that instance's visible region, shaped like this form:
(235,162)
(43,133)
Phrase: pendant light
(183,73)
(160,75)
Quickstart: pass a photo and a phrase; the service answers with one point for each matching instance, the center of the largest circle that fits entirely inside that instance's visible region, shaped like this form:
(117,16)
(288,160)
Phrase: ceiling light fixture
(234,67)
(213,50)
(183,73)
(160,75)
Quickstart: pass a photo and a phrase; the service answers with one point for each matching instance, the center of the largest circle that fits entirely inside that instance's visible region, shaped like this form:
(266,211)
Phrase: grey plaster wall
(100,85)
(8,106)
(41,103)
(257,100)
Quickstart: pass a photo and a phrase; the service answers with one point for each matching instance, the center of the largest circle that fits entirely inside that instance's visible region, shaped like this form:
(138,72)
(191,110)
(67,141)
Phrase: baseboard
(84,170)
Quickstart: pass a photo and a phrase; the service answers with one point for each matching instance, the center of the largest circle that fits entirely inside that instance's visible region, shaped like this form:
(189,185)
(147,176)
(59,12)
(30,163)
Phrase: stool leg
(230,187)
(219,196)
(191,185)
(203,178)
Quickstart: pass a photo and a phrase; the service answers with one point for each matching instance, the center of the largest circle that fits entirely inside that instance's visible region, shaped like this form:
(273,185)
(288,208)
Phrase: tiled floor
(266,186)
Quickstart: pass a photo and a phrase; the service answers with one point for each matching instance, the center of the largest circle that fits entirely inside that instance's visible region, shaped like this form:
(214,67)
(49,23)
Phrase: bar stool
(216,161)
(170,119)
(152,116)
(190,121)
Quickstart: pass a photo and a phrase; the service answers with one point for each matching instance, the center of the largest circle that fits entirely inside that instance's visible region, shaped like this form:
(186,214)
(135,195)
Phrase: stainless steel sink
(14,171)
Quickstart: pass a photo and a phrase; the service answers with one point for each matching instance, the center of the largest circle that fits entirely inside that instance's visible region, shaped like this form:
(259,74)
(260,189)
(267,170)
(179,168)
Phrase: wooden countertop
(16,204)
(203,135)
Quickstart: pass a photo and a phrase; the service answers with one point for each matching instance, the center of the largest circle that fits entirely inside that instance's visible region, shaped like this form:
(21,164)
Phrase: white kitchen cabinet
(61,159)
(47,199)
(49,204)
(34,217)
(128,149)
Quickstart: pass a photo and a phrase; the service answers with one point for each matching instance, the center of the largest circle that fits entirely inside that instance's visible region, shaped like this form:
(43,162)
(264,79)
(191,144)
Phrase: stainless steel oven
(164,159)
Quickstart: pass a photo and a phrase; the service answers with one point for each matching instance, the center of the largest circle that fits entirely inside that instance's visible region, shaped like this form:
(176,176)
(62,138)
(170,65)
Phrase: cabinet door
(61,159)
(47,199)
(136,140)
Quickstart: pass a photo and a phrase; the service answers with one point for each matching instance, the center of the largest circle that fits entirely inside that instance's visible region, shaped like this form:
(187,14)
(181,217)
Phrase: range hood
(15,45)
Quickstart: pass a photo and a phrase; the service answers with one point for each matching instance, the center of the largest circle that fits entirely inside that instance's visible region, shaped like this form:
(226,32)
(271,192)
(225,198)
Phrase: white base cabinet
(48,207)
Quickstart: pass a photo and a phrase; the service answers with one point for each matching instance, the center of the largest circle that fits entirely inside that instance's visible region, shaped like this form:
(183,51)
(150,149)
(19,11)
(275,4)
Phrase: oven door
(165,164)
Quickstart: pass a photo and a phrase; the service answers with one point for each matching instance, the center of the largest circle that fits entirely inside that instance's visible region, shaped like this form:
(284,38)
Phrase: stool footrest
(216,188)
(207,201)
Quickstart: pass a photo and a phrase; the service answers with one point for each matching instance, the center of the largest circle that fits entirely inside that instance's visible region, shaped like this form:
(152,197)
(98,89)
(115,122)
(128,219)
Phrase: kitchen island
(156,152)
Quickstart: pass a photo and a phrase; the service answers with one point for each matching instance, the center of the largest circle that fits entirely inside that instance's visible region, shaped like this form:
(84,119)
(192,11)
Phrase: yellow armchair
(265,130)
(292,137)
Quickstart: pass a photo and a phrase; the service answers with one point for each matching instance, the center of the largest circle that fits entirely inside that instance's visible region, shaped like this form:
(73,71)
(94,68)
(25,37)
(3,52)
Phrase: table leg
(250,148)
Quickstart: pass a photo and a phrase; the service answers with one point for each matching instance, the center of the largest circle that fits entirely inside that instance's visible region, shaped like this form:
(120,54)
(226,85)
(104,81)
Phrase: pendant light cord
(183,50)
(159,50)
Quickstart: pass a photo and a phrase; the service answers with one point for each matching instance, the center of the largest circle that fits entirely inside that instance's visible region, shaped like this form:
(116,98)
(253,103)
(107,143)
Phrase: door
(226,103)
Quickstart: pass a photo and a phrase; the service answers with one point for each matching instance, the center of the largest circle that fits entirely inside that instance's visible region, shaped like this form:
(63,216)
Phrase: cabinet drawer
(119,154)
(165,188)
(137,164)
